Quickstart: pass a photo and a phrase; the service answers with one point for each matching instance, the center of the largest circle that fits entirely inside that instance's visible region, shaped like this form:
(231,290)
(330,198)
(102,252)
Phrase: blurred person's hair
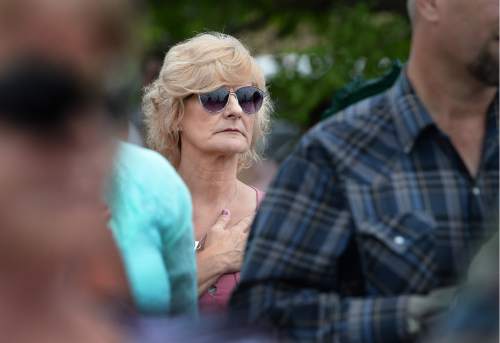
(109,20)
(411,9)
(197,65)
(108,27)
(41,97)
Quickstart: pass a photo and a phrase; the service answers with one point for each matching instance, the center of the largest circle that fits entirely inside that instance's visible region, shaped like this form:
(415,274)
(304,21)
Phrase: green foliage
(339,42)
(356,43)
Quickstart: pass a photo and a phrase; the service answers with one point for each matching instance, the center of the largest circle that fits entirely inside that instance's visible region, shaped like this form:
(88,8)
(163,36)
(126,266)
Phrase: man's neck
(456,102)
(448,92)
(450,97)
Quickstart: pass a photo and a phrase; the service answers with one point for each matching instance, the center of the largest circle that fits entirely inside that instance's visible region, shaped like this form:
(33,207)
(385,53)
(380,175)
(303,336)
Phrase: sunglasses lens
(216,100)
(250,99)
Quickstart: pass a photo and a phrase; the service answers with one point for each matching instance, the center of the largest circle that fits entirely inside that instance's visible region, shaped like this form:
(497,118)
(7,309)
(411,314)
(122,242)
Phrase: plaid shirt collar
(411,117)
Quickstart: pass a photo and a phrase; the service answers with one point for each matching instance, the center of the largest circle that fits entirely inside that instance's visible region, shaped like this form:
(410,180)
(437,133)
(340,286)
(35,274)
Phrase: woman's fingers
(222,220)
(245,223)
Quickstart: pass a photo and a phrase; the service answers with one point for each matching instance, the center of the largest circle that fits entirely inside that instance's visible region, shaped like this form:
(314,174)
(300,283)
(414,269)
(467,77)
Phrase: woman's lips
(233,130)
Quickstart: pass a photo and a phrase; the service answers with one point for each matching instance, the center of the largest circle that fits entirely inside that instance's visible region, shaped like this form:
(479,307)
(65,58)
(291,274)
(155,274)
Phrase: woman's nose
(233,108)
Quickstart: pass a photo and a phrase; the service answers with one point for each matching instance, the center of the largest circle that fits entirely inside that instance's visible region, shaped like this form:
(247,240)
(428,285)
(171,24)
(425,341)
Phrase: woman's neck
(211,179)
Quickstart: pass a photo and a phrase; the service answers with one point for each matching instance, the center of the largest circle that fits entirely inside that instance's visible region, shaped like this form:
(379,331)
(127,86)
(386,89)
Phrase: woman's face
(227,132)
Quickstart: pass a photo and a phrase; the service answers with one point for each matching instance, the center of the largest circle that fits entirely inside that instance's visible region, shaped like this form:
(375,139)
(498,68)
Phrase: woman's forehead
(238,85)
(235,79)
(230,84)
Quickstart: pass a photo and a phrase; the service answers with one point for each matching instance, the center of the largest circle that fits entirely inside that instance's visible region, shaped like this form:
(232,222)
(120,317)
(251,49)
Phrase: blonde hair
(200,64)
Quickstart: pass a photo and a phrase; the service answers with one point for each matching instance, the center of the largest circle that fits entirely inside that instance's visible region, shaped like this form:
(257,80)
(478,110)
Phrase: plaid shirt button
(399,240)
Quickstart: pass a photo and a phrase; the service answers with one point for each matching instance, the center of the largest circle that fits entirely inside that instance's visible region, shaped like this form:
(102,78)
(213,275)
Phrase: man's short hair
(411,8)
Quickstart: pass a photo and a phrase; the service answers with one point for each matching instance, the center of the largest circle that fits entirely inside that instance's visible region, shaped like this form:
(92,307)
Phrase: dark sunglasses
(250,99)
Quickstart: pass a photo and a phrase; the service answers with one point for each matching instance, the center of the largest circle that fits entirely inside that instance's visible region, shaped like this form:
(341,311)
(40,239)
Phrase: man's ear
(427,9)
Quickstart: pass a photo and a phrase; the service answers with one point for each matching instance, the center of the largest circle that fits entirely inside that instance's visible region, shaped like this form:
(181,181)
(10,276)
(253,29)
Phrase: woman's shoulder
(259,195)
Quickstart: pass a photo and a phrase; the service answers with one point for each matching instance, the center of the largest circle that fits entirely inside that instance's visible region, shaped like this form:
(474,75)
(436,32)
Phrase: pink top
(216,298)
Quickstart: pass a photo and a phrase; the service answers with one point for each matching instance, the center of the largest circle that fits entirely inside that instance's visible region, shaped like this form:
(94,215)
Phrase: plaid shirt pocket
(398,253)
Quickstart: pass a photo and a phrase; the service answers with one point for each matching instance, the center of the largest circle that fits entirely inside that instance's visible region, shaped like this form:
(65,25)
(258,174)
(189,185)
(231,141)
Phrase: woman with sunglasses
(206,112)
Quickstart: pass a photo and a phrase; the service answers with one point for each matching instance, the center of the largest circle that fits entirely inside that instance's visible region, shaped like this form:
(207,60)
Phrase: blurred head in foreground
(56,131)
(56,152)
(92,36)
(55,155)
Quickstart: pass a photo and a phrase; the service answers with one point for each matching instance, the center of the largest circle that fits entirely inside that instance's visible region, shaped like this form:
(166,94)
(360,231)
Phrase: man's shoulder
(362,127)
(365,116)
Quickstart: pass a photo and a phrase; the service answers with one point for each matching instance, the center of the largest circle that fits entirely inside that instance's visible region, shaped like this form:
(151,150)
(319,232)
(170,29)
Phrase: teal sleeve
(148,279)
(152,225)
(180,261)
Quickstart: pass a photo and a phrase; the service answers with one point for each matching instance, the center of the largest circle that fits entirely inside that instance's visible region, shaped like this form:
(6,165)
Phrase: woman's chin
(231,149)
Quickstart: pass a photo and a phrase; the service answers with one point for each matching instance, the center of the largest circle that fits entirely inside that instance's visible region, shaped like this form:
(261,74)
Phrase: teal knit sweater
(152,225)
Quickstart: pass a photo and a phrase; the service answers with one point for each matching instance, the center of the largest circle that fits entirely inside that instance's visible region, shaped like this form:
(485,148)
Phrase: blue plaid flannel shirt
(375,204)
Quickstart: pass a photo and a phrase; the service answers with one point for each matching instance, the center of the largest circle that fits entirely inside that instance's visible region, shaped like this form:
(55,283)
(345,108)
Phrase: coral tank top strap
(259,195)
